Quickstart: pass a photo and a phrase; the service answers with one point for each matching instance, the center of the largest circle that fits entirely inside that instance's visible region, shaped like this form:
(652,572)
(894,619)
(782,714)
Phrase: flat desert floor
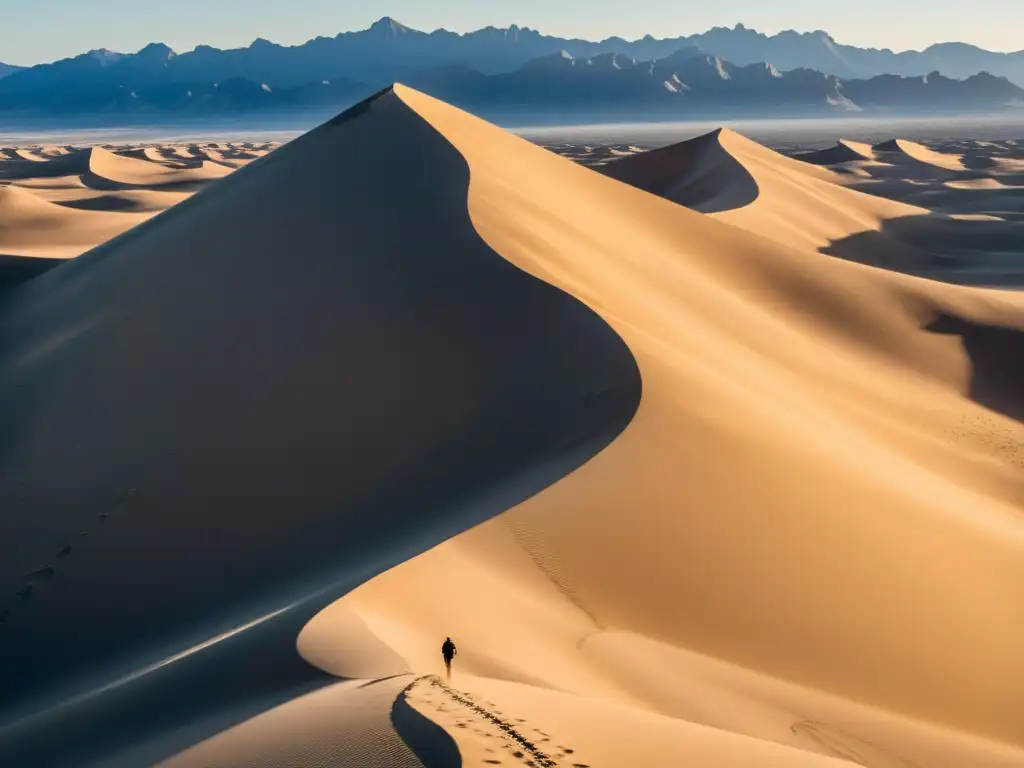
(703,455)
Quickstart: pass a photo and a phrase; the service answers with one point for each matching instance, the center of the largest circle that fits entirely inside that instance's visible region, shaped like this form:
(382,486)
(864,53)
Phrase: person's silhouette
(448,651)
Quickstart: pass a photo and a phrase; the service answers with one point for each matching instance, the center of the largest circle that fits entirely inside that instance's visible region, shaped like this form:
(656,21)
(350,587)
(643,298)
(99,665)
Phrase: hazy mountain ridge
(691,83)
(389,51)
(328,73)
(8,69)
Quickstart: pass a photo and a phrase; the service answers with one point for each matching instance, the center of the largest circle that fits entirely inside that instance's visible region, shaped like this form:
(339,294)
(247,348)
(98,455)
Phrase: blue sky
(32,31)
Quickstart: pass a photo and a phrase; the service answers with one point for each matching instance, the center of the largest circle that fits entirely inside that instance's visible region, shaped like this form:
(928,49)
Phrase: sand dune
(154,155)
(901,151)
(108,169)
(735,502)
(749,186)
(45,213)
(30,226)
(844,151)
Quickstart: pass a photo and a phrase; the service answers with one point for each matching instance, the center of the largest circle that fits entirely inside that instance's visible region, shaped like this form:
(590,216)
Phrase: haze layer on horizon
(45,30)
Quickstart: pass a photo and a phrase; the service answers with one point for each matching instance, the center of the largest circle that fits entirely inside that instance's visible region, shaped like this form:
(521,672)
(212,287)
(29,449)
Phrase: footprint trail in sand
(489,723)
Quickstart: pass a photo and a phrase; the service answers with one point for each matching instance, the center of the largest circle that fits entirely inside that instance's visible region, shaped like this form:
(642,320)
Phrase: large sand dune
(799,545)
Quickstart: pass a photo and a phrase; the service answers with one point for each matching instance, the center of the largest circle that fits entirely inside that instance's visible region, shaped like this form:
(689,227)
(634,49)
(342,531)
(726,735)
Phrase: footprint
(25,592)
(64,551)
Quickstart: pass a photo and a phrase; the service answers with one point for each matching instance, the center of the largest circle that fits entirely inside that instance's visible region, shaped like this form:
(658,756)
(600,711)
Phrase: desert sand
(58,202)
(682,451)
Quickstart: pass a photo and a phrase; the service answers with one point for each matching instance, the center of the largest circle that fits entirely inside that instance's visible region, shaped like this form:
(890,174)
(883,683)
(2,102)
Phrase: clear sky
(32,31)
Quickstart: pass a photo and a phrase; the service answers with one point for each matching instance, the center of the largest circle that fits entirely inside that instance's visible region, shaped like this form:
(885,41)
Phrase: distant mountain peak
(389,27)
(104,56)
(157,51)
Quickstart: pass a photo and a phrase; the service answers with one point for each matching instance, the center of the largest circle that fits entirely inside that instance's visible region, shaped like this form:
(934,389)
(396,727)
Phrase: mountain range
(691,83)
(504,71)
(389,50)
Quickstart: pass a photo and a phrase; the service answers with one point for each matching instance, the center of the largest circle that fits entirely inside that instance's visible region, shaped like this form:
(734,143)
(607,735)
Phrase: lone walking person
(448,651)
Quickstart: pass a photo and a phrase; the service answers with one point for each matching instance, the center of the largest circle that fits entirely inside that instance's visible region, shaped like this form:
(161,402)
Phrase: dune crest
(844,151)
(901,150)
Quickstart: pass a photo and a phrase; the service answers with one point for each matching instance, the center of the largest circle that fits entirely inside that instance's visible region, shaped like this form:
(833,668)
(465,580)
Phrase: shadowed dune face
(286,407)
(843,152)
(700,174)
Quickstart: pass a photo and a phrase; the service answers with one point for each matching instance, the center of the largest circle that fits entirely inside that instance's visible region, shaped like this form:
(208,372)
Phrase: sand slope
(60,202)
(844,151)
(776,552)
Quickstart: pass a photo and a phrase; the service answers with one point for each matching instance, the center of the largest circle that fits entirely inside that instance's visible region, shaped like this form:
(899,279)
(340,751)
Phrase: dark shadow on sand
(150,717)
(428,741)
(997,362)
(15,270)
(938,247)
